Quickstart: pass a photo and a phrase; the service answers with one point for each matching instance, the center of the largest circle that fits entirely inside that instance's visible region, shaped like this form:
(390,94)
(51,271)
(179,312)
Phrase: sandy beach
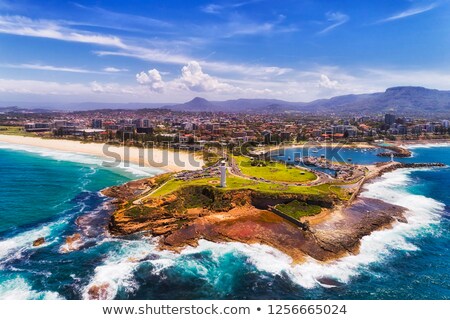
(156,158)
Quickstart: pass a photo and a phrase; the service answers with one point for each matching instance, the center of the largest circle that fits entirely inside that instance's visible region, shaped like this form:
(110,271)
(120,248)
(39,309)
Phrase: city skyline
(173,51)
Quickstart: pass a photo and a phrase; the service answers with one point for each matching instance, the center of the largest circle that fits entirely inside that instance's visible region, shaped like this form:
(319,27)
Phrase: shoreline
(421,142)
(358,145)
(325,144)
(167,160)
(332,234)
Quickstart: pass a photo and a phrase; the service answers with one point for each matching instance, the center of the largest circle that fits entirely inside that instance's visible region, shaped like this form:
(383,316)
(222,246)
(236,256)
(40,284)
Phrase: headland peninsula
(302,212)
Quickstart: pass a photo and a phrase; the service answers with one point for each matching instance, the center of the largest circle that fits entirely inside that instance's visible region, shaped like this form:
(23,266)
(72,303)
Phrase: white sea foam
(12,248)
(428,145)
(19,289)
(116,272)
(421,214)
(77,157)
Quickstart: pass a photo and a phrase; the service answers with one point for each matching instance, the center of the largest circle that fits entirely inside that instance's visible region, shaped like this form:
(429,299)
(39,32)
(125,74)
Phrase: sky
(173,51)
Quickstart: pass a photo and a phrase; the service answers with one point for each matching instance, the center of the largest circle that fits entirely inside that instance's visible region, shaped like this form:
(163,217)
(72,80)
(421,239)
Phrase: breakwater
(397,151)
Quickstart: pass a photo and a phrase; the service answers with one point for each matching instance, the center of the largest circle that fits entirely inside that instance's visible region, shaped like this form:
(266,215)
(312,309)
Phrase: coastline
(422,142)
(337,258)
(331,235)
(161,159)
(325,144)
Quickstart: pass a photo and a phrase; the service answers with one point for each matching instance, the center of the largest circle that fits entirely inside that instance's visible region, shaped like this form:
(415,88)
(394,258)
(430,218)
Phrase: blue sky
(172,51)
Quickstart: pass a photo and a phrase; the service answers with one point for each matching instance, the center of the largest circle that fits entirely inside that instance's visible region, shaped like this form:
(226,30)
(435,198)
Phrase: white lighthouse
(223,174)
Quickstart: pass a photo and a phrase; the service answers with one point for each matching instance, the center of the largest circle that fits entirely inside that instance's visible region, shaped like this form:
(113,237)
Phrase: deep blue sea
(43,193)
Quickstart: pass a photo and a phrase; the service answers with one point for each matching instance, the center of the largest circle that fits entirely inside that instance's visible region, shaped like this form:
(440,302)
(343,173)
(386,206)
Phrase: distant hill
(15,109)
(417,101)
(77,106)
(239,105)
(402,100)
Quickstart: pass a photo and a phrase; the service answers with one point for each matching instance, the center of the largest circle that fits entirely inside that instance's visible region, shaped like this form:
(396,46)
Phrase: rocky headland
(191,213)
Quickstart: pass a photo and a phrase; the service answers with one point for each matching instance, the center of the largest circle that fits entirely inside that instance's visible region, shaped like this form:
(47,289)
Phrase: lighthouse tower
(223,174)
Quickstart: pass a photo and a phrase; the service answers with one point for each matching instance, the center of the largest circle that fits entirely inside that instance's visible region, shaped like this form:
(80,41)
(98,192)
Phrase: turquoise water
(42,193)
(348,155)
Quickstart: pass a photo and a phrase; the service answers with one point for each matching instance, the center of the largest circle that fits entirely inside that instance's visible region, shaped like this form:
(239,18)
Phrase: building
(389,119)
(37,127)
(402,129)
(223,174)
(97,123)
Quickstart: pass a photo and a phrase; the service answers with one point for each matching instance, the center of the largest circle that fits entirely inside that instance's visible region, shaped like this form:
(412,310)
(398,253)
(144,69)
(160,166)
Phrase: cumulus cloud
(152,79)
(326,82)
(97,87)
(193,77)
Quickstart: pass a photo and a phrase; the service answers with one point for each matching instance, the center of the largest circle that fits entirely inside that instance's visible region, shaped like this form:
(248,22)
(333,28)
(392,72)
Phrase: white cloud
(241,26)
(42,87)
(22,26)
(325,82)
(193,77)
(18,25)
(153,55)
(152,79)
(410,12)
(318,83)
(114,69)
(337,19)
(214,8)
(48,68)
(97,87)
(115,19)
(112,88)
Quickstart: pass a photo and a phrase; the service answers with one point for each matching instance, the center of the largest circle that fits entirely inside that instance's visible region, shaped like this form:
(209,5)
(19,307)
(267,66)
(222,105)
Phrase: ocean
(43,192)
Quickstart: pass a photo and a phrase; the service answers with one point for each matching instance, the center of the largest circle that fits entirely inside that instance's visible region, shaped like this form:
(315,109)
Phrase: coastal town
(194,130)
(224,159)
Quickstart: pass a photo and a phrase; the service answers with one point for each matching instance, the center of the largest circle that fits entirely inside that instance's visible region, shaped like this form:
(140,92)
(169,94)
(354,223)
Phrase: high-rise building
(389,119)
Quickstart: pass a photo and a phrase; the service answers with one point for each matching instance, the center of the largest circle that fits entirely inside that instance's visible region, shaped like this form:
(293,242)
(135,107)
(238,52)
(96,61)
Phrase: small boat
(349,159)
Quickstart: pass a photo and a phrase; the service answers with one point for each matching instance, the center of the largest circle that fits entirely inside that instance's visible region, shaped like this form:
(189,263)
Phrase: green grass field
(273,171)
(238,183)
(15,131)
(297,209)
(276,172)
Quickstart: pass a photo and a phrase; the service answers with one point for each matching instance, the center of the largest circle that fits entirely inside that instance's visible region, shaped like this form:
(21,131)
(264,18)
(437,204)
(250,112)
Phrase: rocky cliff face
(203,212)
(161,216)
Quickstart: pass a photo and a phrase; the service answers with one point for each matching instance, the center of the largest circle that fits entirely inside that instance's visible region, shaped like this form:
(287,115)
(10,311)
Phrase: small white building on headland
(223,174)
